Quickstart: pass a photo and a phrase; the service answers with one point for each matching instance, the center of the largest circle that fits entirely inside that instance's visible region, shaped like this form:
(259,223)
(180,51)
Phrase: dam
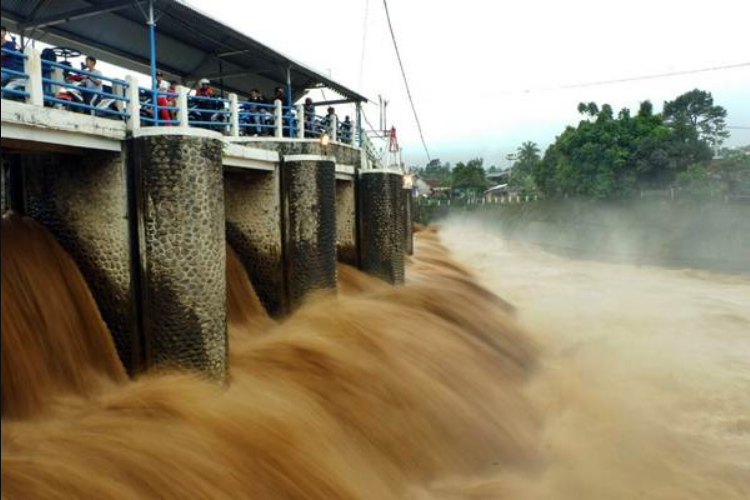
(145,185)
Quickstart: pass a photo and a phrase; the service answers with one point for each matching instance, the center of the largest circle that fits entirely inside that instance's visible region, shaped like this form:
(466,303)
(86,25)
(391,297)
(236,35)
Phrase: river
(645,385)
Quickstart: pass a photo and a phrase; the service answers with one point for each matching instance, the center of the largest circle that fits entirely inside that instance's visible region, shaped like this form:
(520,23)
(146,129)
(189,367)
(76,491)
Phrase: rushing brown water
(362,396)
(430,391)
(644,385)
(54,341)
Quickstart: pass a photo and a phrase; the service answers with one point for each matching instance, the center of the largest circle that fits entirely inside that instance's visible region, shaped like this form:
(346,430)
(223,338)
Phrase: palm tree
(529,153)
(528,156)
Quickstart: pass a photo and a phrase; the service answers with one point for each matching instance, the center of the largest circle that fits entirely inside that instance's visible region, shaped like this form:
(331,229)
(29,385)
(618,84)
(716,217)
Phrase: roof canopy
(190,44)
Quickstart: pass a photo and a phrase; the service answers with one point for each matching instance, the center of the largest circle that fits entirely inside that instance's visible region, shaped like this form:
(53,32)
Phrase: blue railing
(66,87)
(14,81)
(151,114)
(259,119)
(316,126)
(208,112)
(74,96)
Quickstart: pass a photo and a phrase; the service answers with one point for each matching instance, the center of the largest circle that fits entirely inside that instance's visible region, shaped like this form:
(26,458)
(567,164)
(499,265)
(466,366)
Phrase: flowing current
(584,381)
(645,385)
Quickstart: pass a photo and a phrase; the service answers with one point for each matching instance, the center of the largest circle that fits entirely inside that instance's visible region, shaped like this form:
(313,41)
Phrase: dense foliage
(615,155)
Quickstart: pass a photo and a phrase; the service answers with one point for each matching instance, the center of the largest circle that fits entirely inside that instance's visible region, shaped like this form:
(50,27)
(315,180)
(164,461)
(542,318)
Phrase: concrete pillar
(346,222)
(253,224)
(408,222)
(134,104)
(33,68)
(183,103)
(381,214)
(279,119)
(301,121)
(308,186)
(234,115)
(83,201)
(334,132)
(178,181)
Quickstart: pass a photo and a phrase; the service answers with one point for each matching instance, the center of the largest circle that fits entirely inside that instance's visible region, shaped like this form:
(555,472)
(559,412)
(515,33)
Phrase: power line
(738,128)
(406,81)
(630,79)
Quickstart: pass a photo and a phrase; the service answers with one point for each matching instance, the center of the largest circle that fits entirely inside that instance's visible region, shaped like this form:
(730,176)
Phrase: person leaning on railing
(328,120)
(346,130)
(11,62)
(165,100)
(254,108)
(92,85)
(208,102)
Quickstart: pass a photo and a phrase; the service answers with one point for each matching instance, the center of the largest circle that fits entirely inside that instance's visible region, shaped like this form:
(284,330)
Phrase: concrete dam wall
(148,219)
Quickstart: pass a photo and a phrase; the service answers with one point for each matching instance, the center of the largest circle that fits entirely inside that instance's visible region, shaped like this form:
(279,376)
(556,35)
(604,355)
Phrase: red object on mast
(393,141)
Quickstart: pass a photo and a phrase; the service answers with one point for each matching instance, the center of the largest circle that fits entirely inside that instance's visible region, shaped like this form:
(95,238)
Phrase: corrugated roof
(190,44)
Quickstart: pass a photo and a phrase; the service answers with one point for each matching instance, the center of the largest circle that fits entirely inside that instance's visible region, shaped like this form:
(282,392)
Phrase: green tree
(522,174)
(470,177)
(438,172)
(697,112)
(613,154)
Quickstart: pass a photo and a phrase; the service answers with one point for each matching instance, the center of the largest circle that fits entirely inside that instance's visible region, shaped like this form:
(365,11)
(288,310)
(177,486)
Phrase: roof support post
(152,52)
(358,140)
(290,100)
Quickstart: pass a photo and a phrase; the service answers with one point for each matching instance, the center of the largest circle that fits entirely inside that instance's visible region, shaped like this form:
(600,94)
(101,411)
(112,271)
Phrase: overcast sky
(477,67)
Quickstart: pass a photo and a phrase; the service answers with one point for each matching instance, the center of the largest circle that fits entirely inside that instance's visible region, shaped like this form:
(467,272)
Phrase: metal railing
(49,83)
(164,113)
(14,81)
(211,113)
(66,87)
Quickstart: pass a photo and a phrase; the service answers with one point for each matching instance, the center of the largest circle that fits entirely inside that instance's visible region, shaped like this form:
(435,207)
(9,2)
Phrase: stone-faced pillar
(381,214)
(346,222)
(178,180)
(253,213)
(408,222)
(309,221)
(83,201)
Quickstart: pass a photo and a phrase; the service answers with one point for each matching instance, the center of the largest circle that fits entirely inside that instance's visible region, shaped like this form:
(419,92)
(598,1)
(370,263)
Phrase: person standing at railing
(346,130)
(207,101)
(279,97)
(10,62)
(92,85)
(253,107)
(165,100)
(310,125)
(329,120)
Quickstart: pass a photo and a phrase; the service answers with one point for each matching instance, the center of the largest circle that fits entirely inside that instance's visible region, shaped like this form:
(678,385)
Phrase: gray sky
(471,62)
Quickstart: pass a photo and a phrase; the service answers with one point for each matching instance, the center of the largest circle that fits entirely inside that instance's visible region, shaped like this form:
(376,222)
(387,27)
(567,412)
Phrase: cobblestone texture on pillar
(346,222)
(83,201)
(253,211)
(309,220)
(180,186)
(381,215)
